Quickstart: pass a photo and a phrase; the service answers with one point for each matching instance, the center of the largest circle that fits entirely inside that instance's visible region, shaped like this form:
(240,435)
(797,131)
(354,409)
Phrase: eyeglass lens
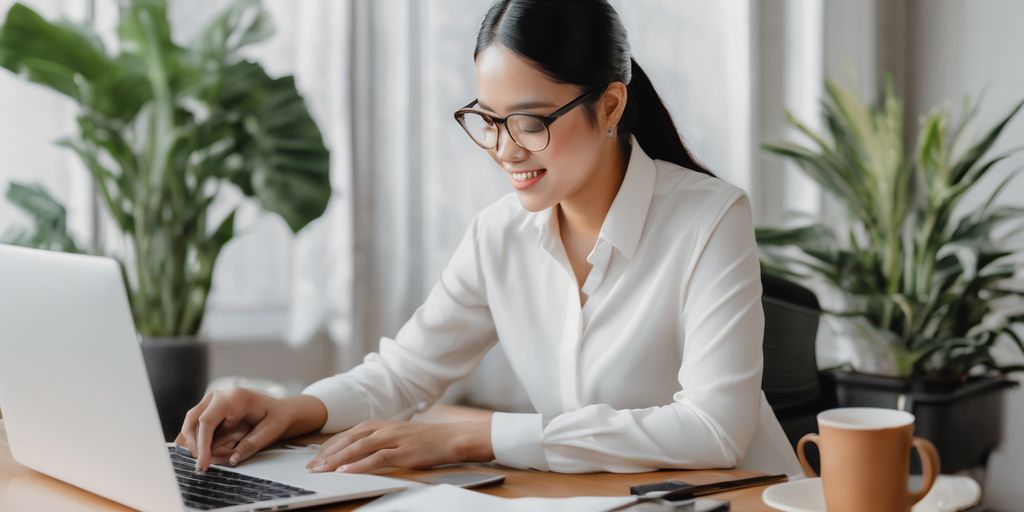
(527,131)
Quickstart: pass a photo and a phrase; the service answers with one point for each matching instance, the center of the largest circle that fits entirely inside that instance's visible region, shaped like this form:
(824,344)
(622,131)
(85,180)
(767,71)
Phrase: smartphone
(464,480)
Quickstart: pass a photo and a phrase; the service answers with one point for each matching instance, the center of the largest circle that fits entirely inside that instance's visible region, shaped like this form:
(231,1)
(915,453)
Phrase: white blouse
(661,366)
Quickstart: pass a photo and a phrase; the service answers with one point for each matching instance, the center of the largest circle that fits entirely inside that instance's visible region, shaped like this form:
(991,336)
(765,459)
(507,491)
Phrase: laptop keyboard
(219,488)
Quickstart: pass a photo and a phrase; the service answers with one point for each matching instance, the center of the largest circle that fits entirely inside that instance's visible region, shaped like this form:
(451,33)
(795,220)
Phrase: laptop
(77,403)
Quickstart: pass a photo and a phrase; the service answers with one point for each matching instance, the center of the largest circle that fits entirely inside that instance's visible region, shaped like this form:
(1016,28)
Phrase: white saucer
(949,494)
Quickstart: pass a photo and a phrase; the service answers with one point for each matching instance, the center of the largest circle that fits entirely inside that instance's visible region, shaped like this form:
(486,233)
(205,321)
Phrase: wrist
(305,414)
(475,440)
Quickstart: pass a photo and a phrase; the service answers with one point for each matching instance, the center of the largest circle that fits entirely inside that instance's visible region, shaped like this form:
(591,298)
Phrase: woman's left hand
(379,444)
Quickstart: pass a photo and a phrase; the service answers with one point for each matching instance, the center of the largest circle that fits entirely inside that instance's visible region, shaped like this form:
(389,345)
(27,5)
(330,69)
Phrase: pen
(694,491)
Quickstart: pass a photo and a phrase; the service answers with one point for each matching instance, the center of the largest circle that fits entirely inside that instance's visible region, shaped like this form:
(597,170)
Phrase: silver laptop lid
(75,396)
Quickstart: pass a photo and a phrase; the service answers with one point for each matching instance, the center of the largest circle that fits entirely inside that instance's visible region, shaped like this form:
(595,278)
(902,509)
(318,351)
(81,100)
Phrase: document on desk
(456,499)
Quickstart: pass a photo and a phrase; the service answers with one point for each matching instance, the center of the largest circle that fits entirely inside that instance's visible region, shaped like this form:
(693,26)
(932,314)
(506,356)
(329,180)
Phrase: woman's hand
(227,427)
(378,444)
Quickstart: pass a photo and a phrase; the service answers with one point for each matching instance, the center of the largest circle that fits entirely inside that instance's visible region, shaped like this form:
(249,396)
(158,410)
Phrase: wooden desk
(24,489)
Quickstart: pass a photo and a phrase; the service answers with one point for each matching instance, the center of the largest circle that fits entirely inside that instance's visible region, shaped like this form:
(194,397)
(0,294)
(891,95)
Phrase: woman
(621,279)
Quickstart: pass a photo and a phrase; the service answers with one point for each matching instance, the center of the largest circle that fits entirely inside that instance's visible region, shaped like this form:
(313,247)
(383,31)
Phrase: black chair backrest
(790,380)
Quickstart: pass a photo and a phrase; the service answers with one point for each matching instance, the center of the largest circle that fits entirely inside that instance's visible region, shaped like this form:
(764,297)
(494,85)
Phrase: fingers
(367,447)
(222,448)
(229,439)
(354,451)
(342,440)
(342,454)
(188,428)
(209,420)
(390,457)
(262,434)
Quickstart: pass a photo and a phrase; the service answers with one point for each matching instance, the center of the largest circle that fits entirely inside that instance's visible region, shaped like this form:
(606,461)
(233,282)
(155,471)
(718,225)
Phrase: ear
(612,104)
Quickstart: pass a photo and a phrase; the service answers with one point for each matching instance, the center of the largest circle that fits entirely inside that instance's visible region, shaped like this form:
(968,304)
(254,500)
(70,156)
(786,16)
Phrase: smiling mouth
(525,176)
(523,180)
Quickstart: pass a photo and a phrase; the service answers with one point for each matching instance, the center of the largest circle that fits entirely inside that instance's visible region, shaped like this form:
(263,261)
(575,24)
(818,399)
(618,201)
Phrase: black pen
(693,491)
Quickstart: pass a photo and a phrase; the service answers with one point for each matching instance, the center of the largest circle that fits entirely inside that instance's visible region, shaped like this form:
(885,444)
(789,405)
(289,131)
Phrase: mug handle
(930,464)
(813,438)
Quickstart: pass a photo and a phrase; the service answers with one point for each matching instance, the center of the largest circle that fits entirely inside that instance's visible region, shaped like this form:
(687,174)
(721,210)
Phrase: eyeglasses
(528,131)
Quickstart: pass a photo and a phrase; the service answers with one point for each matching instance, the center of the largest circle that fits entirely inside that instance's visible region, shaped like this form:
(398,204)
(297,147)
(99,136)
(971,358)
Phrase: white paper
(456,499)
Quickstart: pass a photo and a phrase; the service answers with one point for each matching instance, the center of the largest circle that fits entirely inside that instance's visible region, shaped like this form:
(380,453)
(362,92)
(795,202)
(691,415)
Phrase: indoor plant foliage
(162,128)
(49,219)
(932,279)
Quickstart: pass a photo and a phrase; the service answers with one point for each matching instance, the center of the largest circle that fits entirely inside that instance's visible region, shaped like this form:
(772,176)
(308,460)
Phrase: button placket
(570,348)
(570,341)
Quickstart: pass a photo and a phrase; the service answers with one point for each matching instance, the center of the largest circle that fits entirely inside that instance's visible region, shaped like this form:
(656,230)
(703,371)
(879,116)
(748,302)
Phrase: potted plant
(162,128)
(920,281)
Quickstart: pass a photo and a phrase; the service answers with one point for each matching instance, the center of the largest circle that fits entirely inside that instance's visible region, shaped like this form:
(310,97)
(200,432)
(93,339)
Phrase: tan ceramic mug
(865,459)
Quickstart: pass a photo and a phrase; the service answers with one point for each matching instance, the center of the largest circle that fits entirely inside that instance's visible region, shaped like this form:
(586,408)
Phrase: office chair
(791,381)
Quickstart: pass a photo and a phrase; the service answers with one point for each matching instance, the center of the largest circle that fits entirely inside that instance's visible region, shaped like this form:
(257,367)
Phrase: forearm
(601,438)
(307,413)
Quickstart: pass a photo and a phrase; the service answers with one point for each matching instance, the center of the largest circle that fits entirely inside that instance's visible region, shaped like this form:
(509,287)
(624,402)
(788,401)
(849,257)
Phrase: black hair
(583,42)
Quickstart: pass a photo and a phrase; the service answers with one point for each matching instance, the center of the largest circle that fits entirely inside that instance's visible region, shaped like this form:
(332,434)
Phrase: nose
(506,148)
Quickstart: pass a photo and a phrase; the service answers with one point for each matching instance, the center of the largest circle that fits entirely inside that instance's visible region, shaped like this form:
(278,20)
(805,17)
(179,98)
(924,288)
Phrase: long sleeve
(442,342)
(712,418)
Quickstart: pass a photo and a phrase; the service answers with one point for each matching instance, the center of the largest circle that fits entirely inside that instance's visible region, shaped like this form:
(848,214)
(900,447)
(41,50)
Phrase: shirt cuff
(337,397)
(518,440)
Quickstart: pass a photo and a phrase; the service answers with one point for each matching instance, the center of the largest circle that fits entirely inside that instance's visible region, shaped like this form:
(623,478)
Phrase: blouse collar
(625,220)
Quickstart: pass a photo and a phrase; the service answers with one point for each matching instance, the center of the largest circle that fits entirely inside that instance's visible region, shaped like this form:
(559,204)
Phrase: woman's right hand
(227,427)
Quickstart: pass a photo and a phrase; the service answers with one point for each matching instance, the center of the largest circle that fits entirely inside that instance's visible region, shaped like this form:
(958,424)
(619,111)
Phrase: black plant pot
(964,423)
(178,370)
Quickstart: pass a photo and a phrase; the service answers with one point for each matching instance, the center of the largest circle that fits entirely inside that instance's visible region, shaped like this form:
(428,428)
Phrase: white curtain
(418,179)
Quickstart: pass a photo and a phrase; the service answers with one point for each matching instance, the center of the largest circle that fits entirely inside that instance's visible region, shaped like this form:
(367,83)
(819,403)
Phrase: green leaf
(979,149)
(241,24)
(289,171)
(1008,369)
(810,236)
(51,54)
(48,216)
(71,60)
(1015,338)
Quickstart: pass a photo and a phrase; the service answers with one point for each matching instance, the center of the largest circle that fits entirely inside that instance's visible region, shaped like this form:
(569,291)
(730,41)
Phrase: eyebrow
(526,105)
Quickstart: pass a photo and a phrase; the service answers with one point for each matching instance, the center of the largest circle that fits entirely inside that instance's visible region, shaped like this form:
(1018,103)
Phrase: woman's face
(508,83)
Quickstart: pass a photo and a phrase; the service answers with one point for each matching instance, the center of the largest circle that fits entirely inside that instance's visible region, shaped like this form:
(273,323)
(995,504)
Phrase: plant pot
(178,370)
(965,424)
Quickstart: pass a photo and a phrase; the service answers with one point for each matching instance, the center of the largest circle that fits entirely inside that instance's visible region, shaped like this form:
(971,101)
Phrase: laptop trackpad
(288,466)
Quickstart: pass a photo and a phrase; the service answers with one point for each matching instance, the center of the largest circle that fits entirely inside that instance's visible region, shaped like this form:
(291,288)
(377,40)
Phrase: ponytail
(649,121)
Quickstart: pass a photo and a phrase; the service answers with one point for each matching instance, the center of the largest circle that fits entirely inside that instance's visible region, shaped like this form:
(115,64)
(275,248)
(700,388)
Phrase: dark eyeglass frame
(546,120)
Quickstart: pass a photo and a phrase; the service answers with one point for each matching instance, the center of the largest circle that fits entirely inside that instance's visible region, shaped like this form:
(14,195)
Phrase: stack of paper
(456,499)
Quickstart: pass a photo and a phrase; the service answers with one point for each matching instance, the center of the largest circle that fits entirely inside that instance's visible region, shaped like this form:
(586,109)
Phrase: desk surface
(24,489)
